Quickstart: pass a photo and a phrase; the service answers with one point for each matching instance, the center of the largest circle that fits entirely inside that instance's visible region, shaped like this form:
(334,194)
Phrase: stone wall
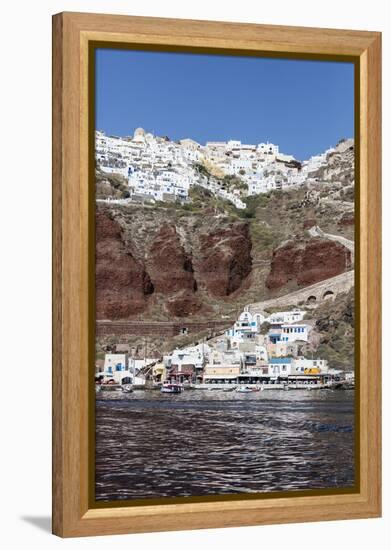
(168,329)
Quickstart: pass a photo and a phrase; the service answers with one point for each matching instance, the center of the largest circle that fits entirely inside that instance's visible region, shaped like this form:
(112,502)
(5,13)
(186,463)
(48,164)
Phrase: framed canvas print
(216,229)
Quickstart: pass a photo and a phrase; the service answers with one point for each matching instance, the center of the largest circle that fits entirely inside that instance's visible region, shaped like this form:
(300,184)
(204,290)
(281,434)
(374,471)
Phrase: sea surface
(151,445)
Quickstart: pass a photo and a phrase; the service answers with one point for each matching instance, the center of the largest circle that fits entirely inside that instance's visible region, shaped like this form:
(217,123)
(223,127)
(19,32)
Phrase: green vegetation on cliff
(335,326)
(111,186)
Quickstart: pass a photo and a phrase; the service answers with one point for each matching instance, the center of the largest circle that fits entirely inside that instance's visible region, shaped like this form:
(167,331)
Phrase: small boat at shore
(171,388)
(248,389)
(127,388)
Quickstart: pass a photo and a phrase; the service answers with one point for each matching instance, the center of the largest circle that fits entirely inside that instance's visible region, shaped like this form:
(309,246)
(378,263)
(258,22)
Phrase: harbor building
(115,366)
(280,367)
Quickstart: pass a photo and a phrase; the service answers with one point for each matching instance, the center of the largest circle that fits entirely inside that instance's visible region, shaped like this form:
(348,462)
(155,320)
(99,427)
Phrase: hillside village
(158,169)
(272,351)
(195,232)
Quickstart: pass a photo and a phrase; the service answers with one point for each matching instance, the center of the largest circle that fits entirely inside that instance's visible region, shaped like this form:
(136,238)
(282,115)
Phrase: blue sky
(303,106)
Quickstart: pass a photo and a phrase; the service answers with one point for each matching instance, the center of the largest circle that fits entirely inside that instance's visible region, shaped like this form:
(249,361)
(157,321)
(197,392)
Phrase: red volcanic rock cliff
(164,269)
(225,260)
(122,284)
(307,262)
(347,219)
(171,271)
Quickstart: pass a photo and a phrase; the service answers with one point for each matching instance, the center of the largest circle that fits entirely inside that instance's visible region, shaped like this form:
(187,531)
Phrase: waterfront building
(248,361)
(181,374)
(280,367)
(186,365)
(159,373)
(115,365)
(221,374)
(187,356)
(122,369)
(310,366)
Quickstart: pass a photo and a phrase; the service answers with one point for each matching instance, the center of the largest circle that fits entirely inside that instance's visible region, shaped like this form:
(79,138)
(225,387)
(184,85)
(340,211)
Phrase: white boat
(171,388)
(247,389)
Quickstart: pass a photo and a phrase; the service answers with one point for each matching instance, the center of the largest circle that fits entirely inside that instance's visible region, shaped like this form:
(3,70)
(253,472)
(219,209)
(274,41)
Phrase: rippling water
(209,442)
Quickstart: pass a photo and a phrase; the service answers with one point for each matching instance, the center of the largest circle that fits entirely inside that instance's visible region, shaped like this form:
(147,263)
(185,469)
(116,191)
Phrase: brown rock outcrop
(169,266)
(225,259)
(308,223)
(184,304)
(307,262)
(347,219)
(122,283)
(173,270)
(172,273)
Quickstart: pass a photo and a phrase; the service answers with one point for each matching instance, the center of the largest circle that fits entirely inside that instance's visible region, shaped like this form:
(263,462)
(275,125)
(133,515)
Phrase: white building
(285,317)
(304,365)
(293,332)
(268,149)
(281,366)
(160,169)
(120,368)
(194,356)
(245,328)
(115,365)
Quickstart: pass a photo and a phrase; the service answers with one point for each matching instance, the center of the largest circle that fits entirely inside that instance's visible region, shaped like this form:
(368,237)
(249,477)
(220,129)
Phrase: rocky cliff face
(122,283)
(339,165)
(171,270)
(169,265)
(161,268)
(334,328)
(207,259)
(307,262)
(347,219)
(225,260)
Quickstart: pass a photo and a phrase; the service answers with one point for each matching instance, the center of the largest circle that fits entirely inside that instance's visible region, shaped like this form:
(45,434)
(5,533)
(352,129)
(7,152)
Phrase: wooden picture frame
(73,34)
